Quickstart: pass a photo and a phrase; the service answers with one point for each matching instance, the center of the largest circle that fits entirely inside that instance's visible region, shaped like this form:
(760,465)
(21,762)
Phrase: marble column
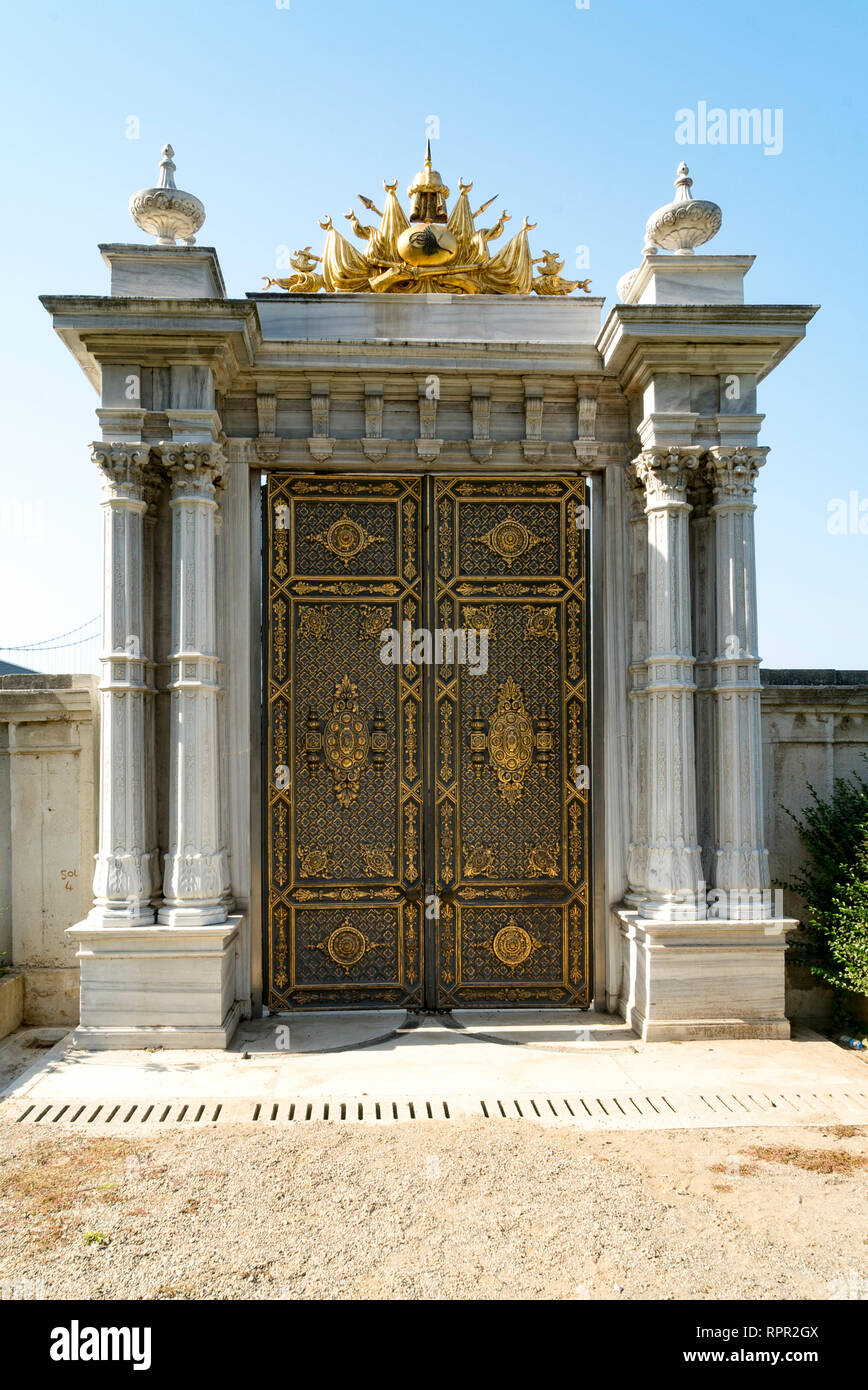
(740,860)
(196,878)
(672,871)
(704,620)
(153,489)
(123,886)
(637,854)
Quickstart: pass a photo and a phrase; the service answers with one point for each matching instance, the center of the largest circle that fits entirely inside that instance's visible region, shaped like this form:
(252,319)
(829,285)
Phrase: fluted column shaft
(196,878)
(123,884)
(704,619)
(672,871)
(637,854)
(153,488)
(741,860)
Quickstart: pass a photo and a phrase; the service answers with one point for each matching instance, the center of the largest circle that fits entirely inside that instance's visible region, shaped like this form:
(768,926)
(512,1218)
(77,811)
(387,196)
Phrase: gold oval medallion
(426,243)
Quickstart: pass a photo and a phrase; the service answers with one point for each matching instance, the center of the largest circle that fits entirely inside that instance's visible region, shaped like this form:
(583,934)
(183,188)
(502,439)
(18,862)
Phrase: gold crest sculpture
(431,252)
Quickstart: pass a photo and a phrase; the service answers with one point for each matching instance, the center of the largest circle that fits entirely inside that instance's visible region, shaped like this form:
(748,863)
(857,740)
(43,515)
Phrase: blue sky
(279,115)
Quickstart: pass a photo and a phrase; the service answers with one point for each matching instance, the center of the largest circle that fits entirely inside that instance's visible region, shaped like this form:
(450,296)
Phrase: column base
(157,986)
(665,908)
(686,980)
(187,916)
(143,915)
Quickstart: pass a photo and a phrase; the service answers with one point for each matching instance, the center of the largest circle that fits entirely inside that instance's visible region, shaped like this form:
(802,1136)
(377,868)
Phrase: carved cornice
(481,450)
(534,450)
(533,414)
(665,473)
(733,473)
(267,443)
(586,415)
(320,403)
(427,413)
(480,407)
(321,447)
(266,413)
(587,451)
(375,449)
(428,449)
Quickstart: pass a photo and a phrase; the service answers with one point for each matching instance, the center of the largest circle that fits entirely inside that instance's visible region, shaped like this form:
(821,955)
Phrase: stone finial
(683,224)
(166,212)
(626,283)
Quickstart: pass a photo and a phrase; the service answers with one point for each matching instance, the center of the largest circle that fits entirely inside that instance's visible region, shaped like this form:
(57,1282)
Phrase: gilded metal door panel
(511,816)
(344,769)
(460,785)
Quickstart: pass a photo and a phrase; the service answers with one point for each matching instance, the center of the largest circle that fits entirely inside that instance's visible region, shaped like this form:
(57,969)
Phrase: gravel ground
(461,1209)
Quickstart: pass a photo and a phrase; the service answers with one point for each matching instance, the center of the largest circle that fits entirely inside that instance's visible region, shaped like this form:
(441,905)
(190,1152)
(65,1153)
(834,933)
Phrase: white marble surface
(160,986)
(663,279)
(435,318)
(164,272)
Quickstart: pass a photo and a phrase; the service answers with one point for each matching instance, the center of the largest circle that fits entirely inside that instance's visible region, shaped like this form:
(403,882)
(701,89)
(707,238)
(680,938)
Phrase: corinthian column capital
(665,473)
(635,493)
(733,473)
(123,469)
(195,470)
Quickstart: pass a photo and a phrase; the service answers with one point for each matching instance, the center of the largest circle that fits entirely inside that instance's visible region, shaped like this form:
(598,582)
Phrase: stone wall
(48,776)
(815,728)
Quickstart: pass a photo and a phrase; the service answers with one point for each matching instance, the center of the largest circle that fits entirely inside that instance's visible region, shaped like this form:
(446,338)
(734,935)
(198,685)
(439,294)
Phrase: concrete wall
(48,775)
(815,728)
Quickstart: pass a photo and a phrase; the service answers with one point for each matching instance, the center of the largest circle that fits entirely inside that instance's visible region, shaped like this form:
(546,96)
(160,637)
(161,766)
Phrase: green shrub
(834,885)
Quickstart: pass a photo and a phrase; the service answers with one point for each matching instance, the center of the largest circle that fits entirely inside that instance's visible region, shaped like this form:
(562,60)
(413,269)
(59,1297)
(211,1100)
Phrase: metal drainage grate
(721,1108)
(249,1112)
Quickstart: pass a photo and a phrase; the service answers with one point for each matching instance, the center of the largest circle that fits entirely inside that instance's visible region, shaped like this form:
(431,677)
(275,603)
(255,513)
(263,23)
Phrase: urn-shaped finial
(683,224)
(167,212)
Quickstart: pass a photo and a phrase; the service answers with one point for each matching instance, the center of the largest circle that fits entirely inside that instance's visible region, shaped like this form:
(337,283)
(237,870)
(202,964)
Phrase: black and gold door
(427,743)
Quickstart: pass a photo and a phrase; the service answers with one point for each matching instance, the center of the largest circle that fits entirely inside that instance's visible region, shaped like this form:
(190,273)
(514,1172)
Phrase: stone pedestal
(687,980)
(157,986)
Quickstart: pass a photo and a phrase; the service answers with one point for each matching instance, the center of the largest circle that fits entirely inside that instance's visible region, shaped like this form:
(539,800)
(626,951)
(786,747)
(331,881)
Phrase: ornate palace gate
(427,819)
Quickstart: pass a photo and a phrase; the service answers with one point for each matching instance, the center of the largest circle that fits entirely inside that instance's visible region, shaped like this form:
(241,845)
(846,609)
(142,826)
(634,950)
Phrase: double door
(426,742)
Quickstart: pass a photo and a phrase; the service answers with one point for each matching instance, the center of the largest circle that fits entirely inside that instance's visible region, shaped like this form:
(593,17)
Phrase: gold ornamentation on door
(510,539)
(346,539)
(346,945)
(543,861)
(314,862)
(379,861)
(313,622)
(513,945)
(346,739)
(540,622)
(478,860)
(510,741)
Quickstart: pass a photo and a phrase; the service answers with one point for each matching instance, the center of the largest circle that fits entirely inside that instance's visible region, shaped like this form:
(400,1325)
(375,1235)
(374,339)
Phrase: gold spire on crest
(431,252)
